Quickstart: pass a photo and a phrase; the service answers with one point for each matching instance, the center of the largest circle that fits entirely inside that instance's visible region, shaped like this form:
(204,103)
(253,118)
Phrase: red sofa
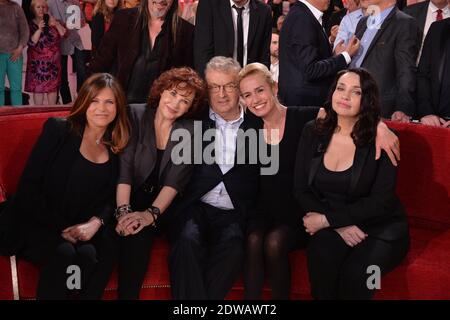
(423,186)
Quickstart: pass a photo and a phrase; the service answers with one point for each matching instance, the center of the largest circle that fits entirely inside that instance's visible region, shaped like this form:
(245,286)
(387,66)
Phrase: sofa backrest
(19,130)
(423,183)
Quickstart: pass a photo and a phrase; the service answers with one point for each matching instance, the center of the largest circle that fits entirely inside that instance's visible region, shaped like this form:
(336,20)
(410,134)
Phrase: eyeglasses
(229,87)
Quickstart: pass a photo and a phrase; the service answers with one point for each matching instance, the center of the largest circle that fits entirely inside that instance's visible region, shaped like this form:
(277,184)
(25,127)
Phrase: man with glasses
(208,249)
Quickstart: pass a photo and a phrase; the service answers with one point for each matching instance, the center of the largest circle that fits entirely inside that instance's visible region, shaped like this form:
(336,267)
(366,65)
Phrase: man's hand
(333,33)
(352,235)
(432,120)
(352,46)
(314,221)
(386,140)
(400,116)
(16,54)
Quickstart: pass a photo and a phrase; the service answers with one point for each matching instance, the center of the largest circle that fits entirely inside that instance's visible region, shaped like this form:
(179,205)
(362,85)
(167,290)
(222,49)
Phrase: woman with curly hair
(348,198)
(43,76)
(150,177)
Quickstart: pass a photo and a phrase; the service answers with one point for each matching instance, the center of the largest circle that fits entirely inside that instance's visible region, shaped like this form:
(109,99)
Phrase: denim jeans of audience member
(79,68)
(12,69)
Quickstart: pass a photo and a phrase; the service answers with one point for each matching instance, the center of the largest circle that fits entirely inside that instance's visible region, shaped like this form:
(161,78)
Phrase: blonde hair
(33,4)
(256,68)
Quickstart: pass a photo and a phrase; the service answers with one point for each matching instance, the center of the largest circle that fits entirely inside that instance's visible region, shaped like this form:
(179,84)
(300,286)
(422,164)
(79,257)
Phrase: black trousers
(55,255)
(79,63)
(338,271)
(206,259)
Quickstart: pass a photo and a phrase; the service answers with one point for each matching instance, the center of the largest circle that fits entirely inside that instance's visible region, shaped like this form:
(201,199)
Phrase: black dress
(275,229)
(276,203)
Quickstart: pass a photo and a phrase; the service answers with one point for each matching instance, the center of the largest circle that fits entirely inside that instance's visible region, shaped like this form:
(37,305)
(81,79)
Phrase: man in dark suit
(218,32)
(207,239)
(307,66)
(390,41)
(427,12)
(433,78)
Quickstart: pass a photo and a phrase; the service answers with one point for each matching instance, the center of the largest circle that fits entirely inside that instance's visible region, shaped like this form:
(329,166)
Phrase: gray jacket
(139,157)
(14,30)
(62,11)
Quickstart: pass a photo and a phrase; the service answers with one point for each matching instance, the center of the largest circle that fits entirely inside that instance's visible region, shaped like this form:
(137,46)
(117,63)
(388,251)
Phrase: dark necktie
(240,36)
(439,15)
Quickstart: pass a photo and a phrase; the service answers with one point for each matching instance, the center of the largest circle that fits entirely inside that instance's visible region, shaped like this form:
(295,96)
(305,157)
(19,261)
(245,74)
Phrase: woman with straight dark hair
(103,15)
(352,213)
(66,193)
(142,43)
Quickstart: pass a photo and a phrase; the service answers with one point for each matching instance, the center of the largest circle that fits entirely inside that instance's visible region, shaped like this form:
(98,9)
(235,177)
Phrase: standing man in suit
(307,64)
(390,41)
(426,13)
(240,29)
(207,243)
(433,78)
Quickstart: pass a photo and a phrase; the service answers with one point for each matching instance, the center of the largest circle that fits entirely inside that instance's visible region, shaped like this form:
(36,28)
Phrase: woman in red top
(103,15)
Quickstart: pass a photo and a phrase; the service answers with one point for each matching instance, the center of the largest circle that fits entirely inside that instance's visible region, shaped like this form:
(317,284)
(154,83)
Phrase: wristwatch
(155,210)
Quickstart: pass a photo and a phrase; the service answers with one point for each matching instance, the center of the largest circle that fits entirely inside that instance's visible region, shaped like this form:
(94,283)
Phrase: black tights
(268,250)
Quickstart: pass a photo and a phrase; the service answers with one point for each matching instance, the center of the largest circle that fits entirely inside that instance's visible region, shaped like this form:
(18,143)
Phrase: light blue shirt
(374,23)
(225,152)
(347,27)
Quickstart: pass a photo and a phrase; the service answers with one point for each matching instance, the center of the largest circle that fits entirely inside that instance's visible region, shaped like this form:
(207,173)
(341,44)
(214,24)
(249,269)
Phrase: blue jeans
(13,69)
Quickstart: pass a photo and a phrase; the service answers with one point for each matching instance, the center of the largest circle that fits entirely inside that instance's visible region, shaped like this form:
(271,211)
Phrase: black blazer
(214,32)
(120,46)
(52,155)
(372,203)
(241,181)
(431,68)
(97,30)
(391,59)
(139,157)
(307,65)
(419,12)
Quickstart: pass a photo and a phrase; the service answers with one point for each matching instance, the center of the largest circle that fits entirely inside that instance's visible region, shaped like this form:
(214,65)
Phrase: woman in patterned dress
(43,74)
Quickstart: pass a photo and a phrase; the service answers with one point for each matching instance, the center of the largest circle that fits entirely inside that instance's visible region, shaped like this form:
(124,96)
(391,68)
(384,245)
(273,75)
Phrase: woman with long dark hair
(66,193)
(142,43)
(355,220)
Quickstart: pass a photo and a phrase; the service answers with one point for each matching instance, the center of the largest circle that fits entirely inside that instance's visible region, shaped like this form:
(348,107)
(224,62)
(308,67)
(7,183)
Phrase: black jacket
(419,12)
(214,32)
(53,154)
(372,203)
(241,181)
(431,67)
(307,65)
(391,59)
(120,46)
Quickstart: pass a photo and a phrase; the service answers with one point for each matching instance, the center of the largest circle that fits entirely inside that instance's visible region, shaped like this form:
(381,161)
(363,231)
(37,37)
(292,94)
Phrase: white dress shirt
(275,70)
(318,15)
(225,152)
(431,17)
(245,25)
